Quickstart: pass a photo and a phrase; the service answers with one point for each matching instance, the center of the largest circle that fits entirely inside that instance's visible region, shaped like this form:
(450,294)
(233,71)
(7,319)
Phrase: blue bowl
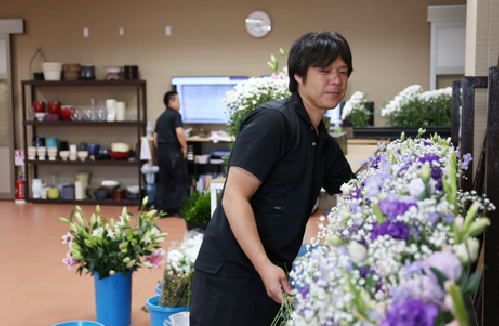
(93,149)
(79,323)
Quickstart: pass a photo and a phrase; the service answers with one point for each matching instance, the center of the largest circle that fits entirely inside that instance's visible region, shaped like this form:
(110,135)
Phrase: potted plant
(410,109)
(111,251)
(176,290)
(356,110)
(196,210)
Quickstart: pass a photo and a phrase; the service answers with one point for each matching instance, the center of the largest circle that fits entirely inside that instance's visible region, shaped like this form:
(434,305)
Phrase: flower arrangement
(399,245)
(250,93)
(355,110)
(114,247)
(412,107)
(179,267)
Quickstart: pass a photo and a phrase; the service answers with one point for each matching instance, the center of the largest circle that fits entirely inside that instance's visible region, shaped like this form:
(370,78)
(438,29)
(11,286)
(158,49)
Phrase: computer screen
(201,98)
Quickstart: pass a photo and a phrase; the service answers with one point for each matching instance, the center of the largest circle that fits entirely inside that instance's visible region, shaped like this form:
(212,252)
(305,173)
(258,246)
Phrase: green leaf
(460,308)
(379,215)
(440,277)
(99,252)
(470,287)
(71,215)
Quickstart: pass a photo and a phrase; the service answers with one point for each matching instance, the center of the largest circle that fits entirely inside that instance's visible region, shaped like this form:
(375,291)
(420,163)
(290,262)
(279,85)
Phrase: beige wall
(390,39)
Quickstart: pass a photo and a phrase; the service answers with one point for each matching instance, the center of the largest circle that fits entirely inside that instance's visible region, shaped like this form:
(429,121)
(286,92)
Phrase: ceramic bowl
(82,155)
(66,111)
(119,155)
(133,189)
(112,69)
(101,193)
(53,193)
(64,155)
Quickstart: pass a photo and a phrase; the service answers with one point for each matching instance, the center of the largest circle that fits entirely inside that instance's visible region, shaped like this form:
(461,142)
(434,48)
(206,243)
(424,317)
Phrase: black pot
(101,193)
(38,76)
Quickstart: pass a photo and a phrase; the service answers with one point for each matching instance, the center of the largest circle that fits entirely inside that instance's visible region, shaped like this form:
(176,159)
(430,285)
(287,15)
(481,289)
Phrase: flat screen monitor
(201,98)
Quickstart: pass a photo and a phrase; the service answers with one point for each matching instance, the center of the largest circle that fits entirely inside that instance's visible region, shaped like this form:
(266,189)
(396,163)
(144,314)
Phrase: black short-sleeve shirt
(166,124)
(277,144)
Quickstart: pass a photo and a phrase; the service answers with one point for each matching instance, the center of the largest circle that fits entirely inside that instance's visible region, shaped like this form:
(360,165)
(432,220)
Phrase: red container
(66,111)
(39,107)
(54,107)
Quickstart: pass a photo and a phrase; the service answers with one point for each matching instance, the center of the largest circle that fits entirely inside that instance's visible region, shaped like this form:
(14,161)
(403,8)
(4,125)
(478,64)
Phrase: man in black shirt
(169,139)
(280,161)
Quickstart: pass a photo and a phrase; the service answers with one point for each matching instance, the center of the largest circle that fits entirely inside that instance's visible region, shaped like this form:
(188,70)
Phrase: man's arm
(181,139)
(240,187)
(155,140)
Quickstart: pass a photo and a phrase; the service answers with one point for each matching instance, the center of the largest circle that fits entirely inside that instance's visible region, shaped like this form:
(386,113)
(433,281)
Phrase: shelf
(81,82)
(86,163)
(71,123)
(89,201)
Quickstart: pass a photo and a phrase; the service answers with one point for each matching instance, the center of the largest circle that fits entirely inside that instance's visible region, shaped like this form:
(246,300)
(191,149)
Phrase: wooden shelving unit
(30,87)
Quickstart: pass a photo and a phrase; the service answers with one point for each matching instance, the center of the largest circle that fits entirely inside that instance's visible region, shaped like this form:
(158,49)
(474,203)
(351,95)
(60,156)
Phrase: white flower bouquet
(400,244)
(179,267)
(355,110)
(412,107)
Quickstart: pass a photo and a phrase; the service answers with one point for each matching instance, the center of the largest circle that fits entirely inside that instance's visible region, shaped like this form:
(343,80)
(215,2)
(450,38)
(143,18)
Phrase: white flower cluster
(414,93)
(181,261)
(356,102)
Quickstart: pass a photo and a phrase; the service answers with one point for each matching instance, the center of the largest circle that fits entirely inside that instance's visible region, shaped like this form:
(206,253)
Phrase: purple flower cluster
(392,208)
(436,172)
(466,161)
(397,230)
(410,312)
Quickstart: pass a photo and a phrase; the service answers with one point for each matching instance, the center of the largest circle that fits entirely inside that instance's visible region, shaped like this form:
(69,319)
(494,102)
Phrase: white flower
(357,252)
(468,252)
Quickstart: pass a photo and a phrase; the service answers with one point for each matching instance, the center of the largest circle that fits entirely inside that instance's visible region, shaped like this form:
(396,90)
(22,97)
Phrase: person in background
(171,145)
(281,159)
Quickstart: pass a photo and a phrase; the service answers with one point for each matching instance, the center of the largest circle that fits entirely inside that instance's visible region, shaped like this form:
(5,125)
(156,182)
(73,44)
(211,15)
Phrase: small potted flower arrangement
(356,110)
(176,285)
(111,250)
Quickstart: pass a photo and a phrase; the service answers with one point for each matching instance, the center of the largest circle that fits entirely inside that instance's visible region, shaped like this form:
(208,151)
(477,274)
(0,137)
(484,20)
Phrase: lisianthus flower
(411,312)
(446,263)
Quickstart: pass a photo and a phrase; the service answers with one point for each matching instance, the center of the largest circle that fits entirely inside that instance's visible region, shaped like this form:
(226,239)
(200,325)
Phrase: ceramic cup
(54,107)
(36,187)
(39,106)
(52,153)
(72,156)
(44,193)
(31,152)
(41,151)
(53,193)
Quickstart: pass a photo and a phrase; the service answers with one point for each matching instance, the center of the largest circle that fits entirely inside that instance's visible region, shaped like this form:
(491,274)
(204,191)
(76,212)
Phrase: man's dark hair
(170,95)
(316,49)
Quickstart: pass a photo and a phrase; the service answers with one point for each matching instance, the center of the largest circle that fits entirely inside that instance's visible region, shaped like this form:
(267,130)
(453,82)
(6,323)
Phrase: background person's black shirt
(167,136)
(277,144)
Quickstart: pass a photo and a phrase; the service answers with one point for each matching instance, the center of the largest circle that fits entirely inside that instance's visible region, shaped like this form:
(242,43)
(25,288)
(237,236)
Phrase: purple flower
(446,263)
(458,151)
(412,268)
(393,208)
(424,287)
(467,159)
(397,230)
(448,218)
(411,313)
(433,217)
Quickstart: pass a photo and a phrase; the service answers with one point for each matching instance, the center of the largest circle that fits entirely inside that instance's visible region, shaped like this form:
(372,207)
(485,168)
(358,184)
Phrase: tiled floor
(36,287)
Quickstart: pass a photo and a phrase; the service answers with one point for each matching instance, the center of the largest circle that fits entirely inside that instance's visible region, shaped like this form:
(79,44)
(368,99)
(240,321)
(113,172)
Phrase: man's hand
(275,280)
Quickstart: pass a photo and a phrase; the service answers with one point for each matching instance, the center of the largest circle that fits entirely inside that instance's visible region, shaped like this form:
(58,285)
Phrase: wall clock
(258,23)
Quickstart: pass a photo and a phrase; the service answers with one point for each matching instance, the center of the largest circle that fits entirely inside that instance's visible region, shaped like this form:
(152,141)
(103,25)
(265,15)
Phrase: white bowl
(110,183)
(120,147)
(133,189)
(113,69)
(52,70)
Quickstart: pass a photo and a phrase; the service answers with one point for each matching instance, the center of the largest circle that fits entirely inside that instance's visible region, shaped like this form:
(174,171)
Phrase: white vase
(36,187)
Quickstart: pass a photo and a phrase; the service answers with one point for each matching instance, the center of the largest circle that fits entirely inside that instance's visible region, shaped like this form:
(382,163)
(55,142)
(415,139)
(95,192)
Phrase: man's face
(324,87)
(174,103)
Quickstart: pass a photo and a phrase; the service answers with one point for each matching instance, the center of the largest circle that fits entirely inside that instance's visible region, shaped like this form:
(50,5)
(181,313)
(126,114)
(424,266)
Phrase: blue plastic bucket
(79,323)
(158,289)
(161,316)
(113,299)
